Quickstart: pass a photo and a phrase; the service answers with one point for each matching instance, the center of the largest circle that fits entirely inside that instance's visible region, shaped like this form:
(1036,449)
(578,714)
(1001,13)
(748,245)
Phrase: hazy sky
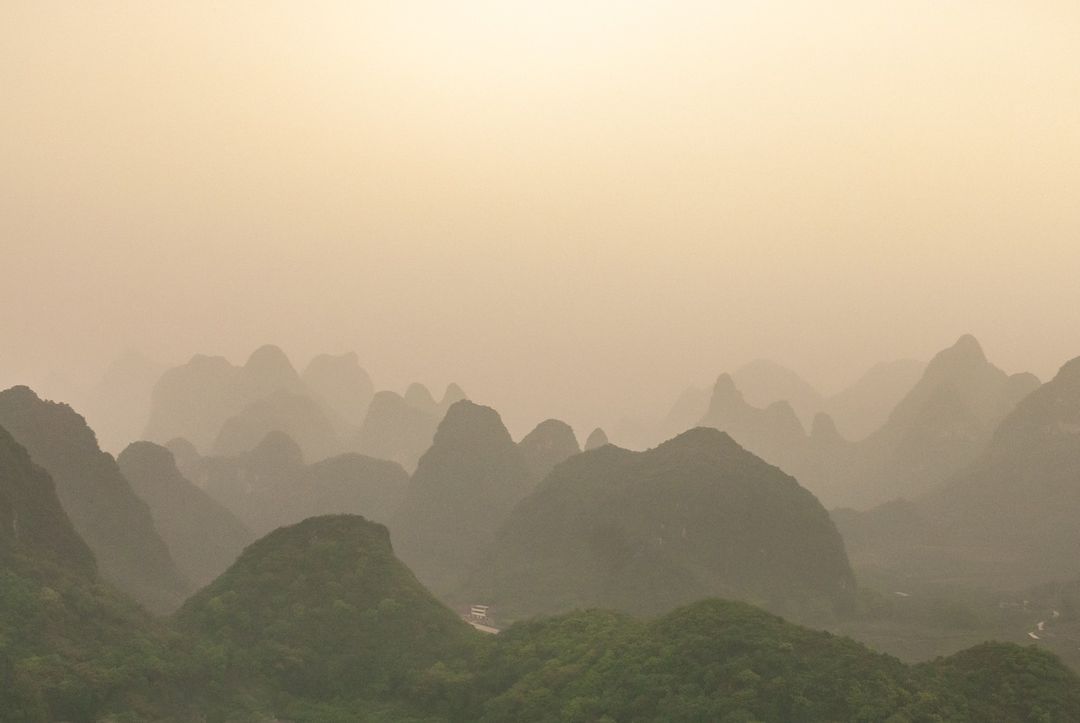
(567,206)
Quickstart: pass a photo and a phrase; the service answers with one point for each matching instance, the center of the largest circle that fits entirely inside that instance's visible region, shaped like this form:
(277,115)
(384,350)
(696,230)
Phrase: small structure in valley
(478,617)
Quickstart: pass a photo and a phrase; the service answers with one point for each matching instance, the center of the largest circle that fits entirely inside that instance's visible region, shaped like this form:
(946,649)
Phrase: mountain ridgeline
(462,490)
(323,609)
(203,537)
(103,508)
(272,486)
(941,425)
(319,621)
(330,527)
(549,443)
(1009,516)
(648,531)
(71,647)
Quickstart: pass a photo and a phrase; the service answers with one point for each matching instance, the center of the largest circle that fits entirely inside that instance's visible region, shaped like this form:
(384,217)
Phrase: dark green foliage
(73,649)
(70,647)
(725,661)
(32,522)
(323,610)
(203,537)
(100,503)
(320,622)
(646,532)
(1002,682)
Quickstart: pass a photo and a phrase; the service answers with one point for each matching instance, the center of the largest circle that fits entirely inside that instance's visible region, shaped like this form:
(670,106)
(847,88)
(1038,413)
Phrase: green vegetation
(323,610)
(320,622)
(71,648)
(725,661)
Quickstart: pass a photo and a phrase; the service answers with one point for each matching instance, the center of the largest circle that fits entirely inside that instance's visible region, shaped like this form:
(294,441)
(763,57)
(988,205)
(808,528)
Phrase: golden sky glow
(573,208)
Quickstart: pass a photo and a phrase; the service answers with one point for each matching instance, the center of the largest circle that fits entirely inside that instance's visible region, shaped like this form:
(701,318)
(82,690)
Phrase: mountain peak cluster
(269,543)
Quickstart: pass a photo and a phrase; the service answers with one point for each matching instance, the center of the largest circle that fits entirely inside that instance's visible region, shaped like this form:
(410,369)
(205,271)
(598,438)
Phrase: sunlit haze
(573,209)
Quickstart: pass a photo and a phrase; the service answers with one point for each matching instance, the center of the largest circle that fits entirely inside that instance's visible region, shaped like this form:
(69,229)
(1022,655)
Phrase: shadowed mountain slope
(648,531)
(551,442)
(203,536)
(106,513)
(462,490)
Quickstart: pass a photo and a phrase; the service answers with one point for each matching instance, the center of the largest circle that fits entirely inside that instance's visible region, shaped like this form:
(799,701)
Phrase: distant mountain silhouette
(354,484)
(394,429)
(341,384)
(298,415)
(271,486)
(195,400)
(118,406)
(104,510)
(764,382)
(203,536)
(942,425)
(255,484)
(419,397)
(648,531)
(687,411)
(452,395)
(267,370)
(773,433)
(551,442)
(464,486)
(863,407)
(185,455)
(1019,501)
(597,438)
(858,410)
(192,401)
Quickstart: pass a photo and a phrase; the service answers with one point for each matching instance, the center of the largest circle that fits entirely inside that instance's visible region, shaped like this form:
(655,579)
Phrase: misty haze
(511,361)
